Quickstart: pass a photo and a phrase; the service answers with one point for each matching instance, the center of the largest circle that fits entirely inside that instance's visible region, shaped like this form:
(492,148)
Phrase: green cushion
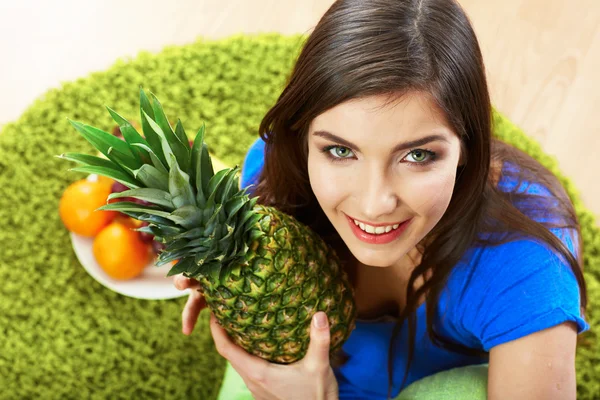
(466,383)
(66,336)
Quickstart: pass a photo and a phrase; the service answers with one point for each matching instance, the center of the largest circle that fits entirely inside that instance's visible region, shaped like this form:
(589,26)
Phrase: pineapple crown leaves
(205,220)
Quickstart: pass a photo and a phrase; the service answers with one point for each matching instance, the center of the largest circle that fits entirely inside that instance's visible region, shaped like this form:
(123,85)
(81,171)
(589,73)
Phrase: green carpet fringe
(65,336)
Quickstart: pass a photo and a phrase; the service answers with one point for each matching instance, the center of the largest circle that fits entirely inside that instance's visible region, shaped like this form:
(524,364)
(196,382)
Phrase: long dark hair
(363,48)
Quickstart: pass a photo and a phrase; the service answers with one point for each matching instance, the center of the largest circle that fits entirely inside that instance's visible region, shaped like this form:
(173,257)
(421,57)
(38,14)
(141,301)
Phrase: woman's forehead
(414,114)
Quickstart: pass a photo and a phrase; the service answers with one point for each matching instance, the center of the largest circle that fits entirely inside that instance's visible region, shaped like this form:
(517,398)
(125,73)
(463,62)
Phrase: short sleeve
(253,163)
(513,290)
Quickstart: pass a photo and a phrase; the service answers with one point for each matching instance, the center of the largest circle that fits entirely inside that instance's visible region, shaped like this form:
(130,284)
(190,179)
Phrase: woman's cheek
(429,195)
(328,185)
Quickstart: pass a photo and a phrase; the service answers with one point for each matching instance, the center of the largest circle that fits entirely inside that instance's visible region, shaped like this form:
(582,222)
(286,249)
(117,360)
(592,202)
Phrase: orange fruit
(78,204)
(109,183)
(106,180)
(119,250)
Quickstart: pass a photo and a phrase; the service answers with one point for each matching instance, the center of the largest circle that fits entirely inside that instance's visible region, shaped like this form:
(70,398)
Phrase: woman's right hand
(194,305)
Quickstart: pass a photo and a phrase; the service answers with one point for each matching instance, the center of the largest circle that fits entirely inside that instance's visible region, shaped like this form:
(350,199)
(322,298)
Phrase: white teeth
(376,230)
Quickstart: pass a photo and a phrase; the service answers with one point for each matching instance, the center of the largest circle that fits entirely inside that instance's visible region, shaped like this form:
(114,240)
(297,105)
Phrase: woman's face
(391,171)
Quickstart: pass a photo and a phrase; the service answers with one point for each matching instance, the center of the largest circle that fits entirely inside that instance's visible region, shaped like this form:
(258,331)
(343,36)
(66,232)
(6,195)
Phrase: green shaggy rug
(64,336)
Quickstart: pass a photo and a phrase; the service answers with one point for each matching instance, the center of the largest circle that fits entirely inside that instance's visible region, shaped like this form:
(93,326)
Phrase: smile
(376,229)
(377,234)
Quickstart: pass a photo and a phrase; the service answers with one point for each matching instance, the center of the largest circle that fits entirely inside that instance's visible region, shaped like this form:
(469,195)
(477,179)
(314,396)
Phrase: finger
(317,355)
(247,365)
(428,274)
(418,282)
(191,311)
(182,283)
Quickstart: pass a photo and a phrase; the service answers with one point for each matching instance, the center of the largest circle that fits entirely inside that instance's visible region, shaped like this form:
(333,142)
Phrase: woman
(462,249)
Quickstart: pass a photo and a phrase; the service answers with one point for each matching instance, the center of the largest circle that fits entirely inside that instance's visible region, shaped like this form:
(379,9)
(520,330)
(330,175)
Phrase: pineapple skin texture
(290,274)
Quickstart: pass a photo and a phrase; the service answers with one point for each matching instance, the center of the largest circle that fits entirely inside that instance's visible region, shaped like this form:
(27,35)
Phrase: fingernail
(320,320)
(179,283)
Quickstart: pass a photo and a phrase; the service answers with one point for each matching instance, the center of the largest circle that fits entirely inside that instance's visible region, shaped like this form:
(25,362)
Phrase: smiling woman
(393,184)
(462,249)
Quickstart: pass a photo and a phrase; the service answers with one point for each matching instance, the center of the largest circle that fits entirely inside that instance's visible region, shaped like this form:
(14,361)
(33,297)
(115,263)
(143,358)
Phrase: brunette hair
(364,48)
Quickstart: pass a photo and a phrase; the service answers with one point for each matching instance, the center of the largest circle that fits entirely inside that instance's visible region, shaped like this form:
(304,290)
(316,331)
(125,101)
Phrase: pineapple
(264,274)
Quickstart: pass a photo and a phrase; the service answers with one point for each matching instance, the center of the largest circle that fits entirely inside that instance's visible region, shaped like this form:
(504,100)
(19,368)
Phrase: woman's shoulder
(502,292)
(521,254)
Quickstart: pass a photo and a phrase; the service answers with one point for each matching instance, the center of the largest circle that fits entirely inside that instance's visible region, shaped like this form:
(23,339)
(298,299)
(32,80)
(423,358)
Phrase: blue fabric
(495,294)
(253,163)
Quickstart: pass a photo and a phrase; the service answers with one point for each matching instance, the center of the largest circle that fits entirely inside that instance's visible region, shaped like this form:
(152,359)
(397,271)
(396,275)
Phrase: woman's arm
(537,366)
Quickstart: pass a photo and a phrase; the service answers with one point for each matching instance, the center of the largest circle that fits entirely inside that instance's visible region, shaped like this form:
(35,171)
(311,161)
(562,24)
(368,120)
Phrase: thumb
(317,354)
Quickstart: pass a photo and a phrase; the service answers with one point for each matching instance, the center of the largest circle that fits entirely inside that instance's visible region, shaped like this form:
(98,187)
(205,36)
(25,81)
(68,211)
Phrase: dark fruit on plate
(118,187)
(157,247)
(117,132)
(144,236)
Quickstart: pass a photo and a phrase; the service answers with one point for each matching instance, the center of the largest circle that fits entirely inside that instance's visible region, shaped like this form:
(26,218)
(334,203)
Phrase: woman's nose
(378,198)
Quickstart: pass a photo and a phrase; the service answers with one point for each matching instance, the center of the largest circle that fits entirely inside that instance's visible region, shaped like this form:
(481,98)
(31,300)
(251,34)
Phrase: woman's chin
(375,260)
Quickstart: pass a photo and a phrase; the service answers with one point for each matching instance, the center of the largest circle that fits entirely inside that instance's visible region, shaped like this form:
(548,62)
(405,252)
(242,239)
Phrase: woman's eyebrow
(399,147)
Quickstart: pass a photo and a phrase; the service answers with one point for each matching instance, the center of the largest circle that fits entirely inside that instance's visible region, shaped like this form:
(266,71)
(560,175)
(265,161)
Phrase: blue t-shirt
(495,294)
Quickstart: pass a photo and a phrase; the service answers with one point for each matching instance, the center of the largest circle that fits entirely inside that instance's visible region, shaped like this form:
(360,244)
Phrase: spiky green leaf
(181,191)
(214,218)
(182,266)
(229,187)
(181,135)
(162,231)
(131,135)
(109,172)
(188,216)
(247,215)
(153,157)
(203,168)
(112,147)
(191,234)
(181,150)
(166,257)
(161,221)
(217,180)
(200,242)
(154,196)
(90,160)
(234,204)
(164,143)
(152,177)
(151,137)
(178,244)
(125,206)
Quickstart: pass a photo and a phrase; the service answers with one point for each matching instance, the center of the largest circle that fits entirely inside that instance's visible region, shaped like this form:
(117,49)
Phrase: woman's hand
(194,305)
(308,379)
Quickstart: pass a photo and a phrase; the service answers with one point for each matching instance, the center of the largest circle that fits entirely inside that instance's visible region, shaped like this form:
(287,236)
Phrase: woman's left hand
(307,379)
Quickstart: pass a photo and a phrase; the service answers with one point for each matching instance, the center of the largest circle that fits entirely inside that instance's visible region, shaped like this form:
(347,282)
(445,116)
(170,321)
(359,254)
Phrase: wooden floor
(542,56)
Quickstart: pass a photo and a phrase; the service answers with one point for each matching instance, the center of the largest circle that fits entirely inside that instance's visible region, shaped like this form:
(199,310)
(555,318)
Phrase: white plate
(152,284)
